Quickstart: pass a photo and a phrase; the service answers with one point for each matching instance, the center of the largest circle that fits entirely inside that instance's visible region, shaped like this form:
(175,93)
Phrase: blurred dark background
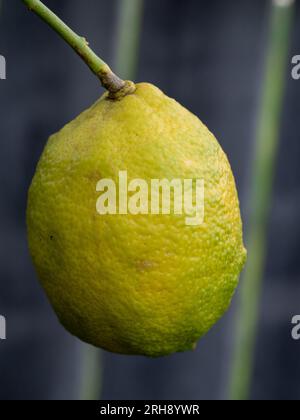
(209,55)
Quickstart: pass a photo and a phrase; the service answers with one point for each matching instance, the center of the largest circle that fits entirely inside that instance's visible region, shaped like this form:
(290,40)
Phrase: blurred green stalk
(130,15)
(128,28)
(267,141)
(91,383)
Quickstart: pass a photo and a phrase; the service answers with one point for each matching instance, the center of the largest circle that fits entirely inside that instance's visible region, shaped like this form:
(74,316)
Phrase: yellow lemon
(136,282)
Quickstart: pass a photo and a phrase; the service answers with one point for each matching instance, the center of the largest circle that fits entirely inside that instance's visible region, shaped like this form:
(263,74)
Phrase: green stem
(261,196)
(90,389)
(108,79)
(129,28)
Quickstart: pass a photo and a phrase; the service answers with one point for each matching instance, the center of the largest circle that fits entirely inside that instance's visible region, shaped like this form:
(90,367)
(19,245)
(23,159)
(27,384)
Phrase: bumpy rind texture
(134,284)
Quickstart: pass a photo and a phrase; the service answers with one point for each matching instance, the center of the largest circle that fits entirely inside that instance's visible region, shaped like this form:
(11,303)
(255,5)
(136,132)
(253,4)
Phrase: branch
(266,153)
(108,79)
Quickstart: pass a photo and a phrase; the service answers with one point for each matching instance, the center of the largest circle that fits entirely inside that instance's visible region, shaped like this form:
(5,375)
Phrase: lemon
(144,284)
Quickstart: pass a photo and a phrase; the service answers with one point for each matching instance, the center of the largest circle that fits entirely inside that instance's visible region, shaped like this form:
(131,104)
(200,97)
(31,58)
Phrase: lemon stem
(267,141)
(80,45)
